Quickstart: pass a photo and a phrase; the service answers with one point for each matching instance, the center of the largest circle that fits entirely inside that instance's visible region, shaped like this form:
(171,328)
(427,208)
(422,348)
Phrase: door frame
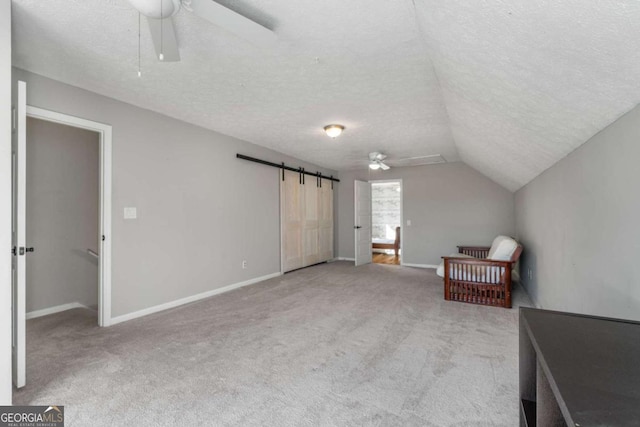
(402,224)
(105,135)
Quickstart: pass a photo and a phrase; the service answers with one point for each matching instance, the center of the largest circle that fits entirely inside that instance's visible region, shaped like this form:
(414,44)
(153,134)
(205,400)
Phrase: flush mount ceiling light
(333,130)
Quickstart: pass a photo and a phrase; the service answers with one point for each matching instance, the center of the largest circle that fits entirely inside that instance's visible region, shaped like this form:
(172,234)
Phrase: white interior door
(18,145)
(362,223)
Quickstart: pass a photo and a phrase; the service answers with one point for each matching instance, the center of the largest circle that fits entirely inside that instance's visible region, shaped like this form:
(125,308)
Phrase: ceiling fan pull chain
(161,56)
(139,54)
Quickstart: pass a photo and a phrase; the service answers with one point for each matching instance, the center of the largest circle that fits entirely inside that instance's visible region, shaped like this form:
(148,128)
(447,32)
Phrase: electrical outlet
(244,264)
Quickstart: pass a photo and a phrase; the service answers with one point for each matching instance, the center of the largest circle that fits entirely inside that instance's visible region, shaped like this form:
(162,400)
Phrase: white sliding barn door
(291,212)
(306,217)
(18,235)
(325,226)
(311,254)
(362,224)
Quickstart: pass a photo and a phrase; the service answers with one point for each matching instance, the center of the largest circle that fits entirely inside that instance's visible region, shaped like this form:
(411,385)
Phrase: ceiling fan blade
(233,22)
(431,159)
(168,47)
(384,167)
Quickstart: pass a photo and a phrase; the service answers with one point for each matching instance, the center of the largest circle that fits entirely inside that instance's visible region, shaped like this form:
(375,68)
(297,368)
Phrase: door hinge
(14,251)
(103,238)
(13,119)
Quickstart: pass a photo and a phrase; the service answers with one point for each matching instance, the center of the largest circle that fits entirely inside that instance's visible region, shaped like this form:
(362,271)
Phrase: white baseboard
(53,310)
(420,265)
(182,301)
(341,258)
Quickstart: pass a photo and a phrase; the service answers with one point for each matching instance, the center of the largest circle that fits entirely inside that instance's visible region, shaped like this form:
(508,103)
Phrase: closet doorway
(386,221)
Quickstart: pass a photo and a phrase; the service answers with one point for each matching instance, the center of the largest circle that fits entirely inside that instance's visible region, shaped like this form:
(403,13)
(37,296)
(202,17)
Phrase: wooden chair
(472,277)
(395,245)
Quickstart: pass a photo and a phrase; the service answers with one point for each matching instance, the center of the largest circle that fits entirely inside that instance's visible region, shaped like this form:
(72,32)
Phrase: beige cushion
(502,248)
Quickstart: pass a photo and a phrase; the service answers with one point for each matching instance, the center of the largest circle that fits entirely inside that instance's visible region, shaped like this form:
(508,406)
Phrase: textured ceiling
(526,82)
(509,87)
(371,74)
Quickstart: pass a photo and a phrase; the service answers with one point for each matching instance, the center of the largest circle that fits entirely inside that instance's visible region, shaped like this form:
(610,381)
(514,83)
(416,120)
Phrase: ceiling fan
(159,14)
(376,161)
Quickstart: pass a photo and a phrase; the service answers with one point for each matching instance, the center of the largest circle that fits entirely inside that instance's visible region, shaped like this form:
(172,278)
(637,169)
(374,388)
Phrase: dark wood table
(578,370)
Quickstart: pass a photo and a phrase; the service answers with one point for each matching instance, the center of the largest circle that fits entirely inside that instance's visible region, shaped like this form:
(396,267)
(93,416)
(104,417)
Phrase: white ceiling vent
(418,161)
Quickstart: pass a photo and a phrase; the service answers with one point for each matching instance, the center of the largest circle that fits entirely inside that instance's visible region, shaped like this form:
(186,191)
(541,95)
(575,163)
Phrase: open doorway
(51,200)
(73,156)
(386,221)
(62,218)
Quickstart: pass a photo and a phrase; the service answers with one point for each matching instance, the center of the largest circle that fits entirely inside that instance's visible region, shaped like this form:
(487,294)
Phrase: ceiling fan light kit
(157,9)
(333,131)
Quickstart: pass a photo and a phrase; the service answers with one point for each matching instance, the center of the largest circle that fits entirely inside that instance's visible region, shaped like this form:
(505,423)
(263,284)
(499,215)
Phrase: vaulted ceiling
(507,86)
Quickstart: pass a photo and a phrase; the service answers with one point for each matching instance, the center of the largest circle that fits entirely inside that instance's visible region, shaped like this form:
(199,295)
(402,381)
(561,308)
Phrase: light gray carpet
(327,345)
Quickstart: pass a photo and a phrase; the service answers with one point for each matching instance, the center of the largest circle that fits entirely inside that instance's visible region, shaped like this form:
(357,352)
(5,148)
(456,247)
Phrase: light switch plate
(408,223)
(130,213)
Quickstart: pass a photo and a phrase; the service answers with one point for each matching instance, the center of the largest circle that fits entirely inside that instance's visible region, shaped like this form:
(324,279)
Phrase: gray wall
(578,222)
(62,214)
(201,211)
(448,205)
(5,202)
